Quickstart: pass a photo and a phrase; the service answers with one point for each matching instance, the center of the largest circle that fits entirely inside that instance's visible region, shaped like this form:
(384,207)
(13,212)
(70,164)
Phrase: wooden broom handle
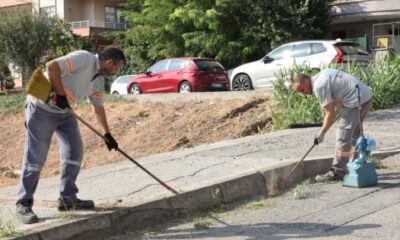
(122,152)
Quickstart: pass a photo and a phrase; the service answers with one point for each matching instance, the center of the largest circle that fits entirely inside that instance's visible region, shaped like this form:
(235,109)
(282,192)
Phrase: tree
(26,37)
(3,69)
(152,37)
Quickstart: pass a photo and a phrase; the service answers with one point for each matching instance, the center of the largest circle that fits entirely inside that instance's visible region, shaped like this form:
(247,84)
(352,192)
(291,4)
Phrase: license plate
(216,85)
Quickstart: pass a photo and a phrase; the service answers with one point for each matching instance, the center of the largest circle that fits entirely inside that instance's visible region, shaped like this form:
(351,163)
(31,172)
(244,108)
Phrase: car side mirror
(267,59)
(148,72)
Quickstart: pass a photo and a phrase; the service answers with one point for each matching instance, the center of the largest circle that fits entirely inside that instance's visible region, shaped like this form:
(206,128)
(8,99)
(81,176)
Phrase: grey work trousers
(40,126)
(346,136)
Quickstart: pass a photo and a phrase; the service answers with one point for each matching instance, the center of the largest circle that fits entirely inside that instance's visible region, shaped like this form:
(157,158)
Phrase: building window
(339,34)
(111,14)
(48,11)
(396,31)
(112,18)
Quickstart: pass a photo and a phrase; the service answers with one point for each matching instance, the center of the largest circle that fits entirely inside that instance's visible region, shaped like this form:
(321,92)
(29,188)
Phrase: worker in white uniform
(77,75)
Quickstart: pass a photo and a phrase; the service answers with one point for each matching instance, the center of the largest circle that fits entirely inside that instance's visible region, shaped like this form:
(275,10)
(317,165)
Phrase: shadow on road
(273,231)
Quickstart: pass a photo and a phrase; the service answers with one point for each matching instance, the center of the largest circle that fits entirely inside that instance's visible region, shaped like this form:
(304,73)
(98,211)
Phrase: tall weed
(11,103)
(384,80)
(293,108)
(7,229)
(383,77)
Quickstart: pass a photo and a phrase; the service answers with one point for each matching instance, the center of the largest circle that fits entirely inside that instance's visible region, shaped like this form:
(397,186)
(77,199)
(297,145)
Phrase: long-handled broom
(284,181)
(39,87)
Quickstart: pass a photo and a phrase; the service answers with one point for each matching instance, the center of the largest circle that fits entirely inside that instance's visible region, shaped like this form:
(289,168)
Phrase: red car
(181,75)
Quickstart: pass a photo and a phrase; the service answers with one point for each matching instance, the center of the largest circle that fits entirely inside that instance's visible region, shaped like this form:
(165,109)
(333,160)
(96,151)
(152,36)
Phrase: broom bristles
(38,85)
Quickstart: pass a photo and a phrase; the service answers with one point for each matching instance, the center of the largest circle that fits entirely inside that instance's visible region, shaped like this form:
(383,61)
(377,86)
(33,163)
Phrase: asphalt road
(329,211)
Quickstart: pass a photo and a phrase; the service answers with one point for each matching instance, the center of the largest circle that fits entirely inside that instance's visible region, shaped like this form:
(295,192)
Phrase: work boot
(327,177)
(78,204)
(25,213)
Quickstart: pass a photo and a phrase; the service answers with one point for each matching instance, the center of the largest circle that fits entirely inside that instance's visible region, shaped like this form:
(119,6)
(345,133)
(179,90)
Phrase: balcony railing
(97,24)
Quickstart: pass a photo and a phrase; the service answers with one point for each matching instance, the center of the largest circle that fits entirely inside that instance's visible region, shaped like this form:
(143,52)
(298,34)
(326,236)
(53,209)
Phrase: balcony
(87,28)
(97,24)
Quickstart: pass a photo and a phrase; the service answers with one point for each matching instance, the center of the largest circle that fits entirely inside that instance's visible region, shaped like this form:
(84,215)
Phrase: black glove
(110,142)
(316,140)
(62,102)
(319,138)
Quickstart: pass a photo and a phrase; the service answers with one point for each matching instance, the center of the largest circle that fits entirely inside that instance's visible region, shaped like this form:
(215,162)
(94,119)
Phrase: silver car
(314,54)
(119,85)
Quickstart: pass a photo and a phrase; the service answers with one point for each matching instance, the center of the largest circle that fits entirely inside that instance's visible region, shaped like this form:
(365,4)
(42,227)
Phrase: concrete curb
(264,182)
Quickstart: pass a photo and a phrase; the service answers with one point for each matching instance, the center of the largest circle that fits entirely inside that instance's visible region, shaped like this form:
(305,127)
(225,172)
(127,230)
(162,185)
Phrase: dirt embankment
(143,129)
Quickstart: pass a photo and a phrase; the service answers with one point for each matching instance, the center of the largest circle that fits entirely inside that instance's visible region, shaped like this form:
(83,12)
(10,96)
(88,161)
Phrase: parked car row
(190,74)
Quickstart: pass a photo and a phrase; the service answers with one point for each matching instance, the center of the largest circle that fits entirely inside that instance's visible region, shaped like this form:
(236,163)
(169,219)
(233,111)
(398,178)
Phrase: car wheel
(185,87)
(241,82)
(135,89)
(115,93)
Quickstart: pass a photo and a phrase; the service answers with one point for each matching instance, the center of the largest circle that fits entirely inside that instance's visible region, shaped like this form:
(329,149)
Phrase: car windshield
(351,49)
(209,65)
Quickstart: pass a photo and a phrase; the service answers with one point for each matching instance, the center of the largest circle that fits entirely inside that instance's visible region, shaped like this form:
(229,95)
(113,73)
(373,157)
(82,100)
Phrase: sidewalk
(325,211)
(206,175)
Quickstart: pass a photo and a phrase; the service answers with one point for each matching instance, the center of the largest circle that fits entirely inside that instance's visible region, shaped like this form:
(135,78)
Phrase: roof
(13,3)
(319,41)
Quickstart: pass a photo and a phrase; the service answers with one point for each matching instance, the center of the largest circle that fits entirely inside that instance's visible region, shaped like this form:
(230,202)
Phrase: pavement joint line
(174,179)
(139,190)
(146,165)
(204,168)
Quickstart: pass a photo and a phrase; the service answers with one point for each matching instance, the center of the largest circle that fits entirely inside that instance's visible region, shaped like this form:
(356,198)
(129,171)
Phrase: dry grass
(151,127)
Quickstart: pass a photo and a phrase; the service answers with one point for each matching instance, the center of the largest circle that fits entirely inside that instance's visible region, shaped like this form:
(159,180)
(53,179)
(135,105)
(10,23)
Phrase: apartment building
(378,20)
(89,18)
(15,4)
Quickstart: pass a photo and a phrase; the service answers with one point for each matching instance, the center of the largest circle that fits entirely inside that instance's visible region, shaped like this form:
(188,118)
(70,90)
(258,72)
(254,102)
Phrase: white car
(119,86)
(314,54)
